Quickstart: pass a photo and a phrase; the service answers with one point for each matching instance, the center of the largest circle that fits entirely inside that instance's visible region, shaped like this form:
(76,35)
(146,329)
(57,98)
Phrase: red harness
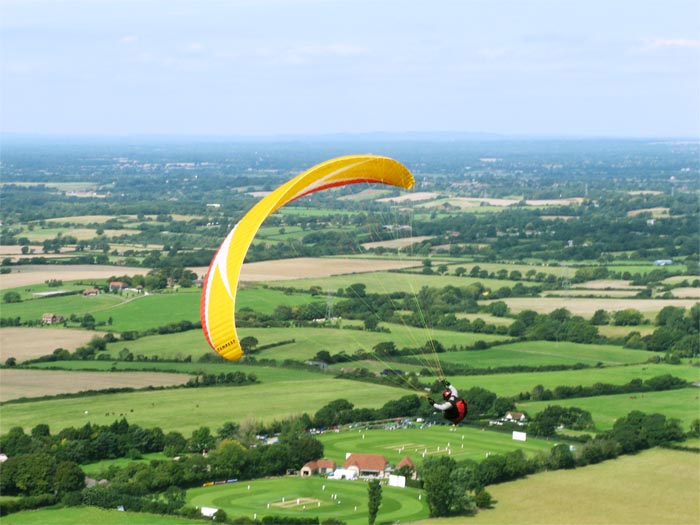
(461,408)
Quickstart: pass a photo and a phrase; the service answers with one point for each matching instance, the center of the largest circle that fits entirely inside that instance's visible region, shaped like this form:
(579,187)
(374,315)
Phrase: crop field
(38,235)
(593,292)
(18,383)
(314,496)
(537,353)
(263,373)
(92,515)
(30,343)
(32,274)
(186,409)
(683,404)
(586,307)
(513,384)
(419,442)
(317,268)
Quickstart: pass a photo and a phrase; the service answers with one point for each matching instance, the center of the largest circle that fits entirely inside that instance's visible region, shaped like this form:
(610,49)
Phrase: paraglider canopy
(217,310)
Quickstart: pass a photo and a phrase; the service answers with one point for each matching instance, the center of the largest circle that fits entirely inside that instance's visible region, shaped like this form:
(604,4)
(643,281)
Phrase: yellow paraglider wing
(217,311)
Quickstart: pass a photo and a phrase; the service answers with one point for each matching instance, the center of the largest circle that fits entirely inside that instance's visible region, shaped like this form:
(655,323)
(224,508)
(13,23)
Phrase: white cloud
(128,40)
(304,54)
(655,43)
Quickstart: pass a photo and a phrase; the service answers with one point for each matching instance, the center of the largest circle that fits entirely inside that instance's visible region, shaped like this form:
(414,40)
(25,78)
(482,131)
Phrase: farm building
(90,292)
(517,417)
(322,466)
(367,465)
(408,462)
(117,286)
(51,319)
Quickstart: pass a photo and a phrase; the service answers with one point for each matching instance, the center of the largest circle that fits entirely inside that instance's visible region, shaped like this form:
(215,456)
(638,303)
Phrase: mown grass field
(458,442)
(658,487)
(513,384)
(309,341)
(539,353)
(391,282)
(344,500)
(683,404)
(92,516)
(186,409)
(95,470)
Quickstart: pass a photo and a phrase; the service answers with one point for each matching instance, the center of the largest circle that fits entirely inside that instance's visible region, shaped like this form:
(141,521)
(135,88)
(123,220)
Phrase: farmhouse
(518,418)
(515,417)
(51,319)
(322,466)
(367,465)
(117,286)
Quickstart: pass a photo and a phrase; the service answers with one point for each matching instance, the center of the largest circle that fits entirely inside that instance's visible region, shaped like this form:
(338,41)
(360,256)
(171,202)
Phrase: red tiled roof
(371,462)
(326,463)
(406,461)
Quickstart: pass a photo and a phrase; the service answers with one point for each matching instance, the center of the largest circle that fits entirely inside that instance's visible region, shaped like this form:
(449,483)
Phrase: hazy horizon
(311,68)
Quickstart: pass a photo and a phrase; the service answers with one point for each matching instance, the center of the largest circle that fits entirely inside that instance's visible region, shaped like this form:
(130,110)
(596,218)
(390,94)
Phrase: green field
(683,404)
(64,305)
(538,353)
(507,385)
(131,311)
(95,470)
(459,442)
(654,487)
(344,500)
(92,516)
(186,409)
(309,341)
(391,282)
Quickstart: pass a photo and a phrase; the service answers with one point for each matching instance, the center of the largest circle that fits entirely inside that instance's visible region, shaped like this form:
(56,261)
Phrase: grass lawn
(459,442)
(317,496)
(186,409)
(506,385)
(309,341)
(94,470)
(63,305)
(659,487)
(390,282)
(537,353)
(91,516)
(683,404)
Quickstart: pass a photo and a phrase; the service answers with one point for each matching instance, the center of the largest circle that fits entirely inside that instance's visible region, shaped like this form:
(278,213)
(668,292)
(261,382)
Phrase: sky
(571,68)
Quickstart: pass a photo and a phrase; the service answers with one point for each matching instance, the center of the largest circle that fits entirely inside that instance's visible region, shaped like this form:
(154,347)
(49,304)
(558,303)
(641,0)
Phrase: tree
(446,487)
(600,317)
(248,344)
(68,477)
(11,297)
(374,490)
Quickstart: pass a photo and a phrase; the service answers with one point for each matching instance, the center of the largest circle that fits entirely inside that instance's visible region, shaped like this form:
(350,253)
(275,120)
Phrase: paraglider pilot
(453,408)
